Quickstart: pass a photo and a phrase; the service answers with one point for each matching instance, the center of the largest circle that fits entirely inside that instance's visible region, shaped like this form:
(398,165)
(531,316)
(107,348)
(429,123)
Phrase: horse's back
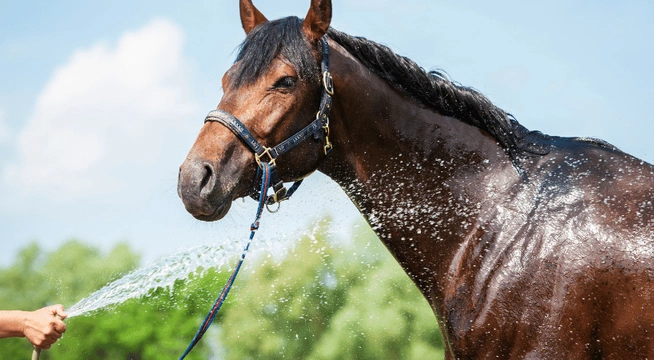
(598,203)
(568,271)
(620,283)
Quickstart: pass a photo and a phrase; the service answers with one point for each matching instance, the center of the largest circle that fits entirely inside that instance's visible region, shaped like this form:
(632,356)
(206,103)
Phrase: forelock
(271,39)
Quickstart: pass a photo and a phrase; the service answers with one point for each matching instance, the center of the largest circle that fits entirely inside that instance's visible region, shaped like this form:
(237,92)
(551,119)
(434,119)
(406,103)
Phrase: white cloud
(100,124)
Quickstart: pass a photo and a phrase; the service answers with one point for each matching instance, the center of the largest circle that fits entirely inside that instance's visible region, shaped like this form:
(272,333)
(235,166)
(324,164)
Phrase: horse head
(271,94)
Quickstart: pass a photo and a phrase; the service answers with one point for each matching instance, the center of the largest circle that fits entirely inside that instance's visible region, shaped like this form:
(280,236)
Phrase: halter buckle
(279,195)
(266,151)
(328,83)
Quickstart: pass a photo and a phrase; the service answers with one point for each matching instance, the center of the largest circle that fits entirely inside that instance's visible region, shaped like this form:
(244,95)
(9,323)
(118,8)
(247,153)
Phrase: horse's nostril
(208,176)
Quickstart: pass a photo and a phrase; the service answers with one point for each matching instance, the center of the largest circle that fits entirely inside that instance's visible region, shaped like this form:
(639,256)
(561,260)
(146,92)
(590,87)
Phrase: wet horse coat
(525,245)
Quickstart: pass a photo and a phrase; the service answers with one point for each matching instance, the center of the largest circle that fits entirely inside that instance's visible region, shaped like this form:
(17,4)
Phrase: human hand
(44,327)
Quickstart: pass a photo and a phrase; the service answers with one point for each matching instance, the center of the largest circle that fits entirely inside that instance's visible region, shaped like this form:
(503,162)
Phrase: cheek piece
(319,128)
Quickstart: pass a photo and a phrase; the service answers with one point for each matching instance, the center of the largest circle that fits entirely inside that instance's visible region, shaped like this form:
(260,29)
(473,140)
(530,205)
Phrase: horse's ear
(316,23)
(250,16)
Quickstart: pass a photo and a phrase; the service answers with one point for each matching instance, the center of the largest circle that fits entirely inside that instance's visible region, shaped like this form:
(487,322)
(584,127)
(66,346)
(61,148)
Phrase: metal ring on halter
(279,204)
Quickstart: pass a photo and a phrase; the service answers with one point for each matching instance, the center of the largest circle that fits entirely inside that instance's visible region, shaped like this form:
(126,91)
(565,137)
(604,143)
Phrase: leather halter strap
(270,154)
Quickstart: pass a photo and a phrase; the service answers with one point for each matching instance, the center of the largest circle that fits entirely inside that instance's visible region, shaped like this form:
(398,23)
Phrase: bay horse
(526,246)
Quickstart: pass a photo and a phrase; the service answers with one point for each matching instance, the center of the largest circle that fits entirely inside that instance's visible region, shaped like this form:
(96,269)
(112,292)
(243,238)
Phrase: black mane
(432,89)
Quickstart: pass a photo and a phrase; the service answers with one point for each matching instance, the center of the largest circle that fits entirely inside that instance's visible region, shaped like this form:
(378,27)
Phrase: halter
(269,155)
(267,170)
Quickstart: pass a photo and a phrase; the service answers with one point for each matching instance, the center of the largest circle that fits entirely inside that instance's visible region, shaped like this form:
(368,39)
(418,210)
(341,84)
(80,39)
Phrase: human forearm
(12,323)
(41,327)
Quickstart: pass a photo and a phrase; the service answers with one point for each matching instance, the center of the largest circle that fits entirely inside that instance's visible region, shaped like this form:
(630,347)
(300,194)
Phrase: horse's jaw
(219,212)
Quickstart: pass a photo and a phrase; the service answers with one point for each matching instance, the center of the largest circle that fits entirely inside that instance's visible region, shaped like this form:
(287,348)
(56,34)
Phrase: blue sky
(101,101)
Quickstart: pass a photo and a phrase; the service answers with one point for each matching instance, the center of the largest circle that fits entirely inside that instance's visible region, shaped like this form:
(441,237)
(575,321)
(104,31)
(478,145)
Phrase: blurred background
(101,101)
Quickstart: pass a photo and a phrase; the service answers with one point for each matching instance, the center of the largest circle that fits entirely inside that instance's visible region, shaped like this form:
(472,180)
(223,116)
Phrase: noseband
(268,155)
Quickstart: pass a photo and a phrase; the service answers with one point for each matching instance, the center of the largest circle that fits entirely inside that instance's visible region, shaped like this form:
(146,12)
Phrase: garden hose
(37,352)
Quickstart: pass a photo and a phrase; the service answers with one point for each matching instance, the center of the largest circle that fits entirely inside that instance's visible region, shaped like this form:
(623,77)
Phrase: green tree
(326,302)
(38,279)
(20,288)
(157,326)
(321,301)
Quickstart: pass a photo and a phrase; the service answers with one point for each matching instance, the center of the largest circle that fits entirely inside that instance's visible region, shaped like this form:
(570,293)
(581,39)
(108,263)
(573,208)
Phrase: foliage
(321,301)
(37,279)
(158,326)
(325,302)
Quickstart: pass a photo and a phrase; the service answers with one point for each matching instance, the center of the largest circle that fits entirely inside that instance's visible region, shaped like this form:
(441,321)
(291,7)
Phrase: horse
(526,245)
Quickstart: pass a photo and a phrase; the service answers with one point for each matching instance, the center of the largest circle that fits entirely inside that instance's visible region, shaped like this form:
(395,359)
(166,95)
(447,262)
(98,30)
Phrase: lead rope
(265,183)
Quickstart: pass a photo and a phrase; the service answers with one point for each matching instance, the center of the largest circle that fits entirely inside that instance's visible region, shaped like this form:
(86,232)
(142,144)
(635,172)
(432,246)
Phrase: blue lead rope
(265,183)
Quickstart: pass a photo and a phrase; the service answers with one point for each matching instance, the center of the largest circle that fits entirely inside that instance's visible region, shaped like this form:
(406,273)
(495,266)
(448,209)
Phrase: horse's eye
(286,82)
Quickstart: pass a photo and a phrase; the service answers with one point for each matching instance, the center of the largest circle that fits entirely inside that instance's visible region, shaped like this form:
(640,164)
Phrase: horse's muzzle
(196,186)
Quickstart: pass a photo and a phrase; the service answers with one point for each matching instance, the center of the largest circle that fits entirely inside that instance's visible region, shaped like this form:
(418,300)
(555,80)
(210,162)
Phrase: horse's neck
(418,177)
